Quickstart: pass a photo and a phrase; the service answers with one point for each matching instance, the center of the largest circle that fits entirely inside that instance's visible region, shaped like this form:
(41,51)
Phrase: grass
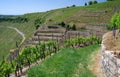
(67,63)
(9,37)
(8,40)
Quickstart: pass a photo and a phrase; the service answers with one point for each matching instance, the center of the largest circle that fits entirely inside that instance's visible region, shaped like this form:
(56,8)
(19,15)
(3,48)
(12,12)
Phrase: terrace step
(36,38)
(50,34)
(50,31)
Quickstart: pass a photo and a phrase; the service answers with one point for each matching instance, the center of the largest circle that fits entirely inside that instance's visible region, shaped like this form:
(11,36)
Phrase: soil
(95,67)
(112,43)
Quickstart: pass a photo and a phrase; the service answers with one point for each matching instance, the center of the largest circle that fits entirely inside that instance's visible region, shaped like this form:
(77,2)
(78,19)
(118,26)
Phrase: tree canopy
(92,2)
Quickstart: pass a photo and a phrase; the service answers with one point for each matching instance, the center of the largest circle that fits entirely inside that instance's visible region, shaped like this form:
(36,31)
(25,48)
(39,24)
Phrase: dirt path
(18,31)
(95,67)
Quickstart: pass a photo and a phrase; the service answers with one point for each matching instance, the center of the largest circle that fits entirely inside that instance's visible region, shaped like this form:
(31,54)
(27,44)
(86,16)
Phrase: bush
(37,26)
(62,24)
(67,26)
(73,27)
(115,21)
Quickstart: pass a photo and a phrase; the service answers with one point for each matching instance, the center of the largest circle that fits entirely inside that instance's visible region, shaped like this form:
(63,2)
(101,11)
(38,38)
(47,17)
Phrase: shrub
(62,24)
(73,27)
(50,20)
(37,26)
(67,26)
(115,21)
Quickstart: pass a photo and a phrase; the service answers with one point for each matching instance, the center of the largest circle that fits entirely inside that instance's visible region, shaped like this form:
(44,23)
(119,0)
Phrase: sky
(18,7)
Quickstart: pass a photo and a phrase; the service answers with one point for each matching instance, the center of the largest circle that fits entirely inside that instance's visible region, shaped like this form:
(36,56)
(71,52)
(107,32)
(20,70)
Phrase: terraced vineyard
(98,14)
(89,20)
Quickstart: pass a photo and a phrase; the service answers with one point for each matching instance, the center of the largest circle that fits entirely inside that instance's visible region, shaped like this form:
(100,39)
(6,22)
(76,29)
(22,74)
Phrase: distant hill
(3,16)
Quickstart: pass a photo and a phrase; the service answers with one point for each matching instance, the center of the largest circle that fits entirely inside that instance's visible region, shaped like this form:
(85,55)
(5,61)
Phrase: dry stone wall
(110,63)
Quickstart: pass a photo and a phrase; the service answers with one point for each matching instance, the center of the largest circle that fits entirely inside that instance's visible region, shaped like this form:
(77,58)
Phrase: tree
(73,5)
(109,0)
(95,2)
(85,4)
(90,2)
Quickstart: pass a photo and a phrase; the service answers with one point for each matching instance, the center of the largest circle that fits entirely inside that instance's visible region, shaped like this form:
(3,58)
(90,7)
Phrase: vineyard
(32,54)
(50,40)
(68,62)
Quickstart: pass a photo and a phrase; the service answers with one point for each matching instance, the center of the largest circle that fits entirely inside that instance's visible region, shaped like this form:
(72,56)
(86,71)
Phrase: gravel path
(18,31)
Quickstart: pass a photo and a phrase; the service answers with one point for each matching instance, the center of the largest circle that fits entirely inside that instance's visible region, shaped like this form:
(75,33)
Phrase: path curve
(18,31)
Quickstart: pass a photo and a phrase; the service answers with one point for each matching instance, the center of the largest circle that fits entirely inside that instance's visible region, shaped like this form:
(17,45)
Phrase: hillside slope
(80,15)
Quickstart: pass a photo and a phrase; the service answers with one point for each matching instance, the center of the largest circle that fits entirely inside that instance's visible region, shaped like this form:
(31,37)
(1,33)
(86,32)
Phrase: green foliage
(37,26)
(39,21)
(110,0)
(92,2)
(70,26)
(116,20)
(28,27)
(69,15)
(27,56)
(14,20)
(95,2)
(31,54)
(7,41)
(109,26)
(80,41)
(62,24)
(67,63)
(73,26)
(5,69)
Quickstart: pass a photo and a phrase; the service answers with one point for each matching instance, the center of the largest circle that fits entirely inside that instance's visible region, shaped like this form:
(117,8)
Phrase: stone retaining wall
(110,63)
